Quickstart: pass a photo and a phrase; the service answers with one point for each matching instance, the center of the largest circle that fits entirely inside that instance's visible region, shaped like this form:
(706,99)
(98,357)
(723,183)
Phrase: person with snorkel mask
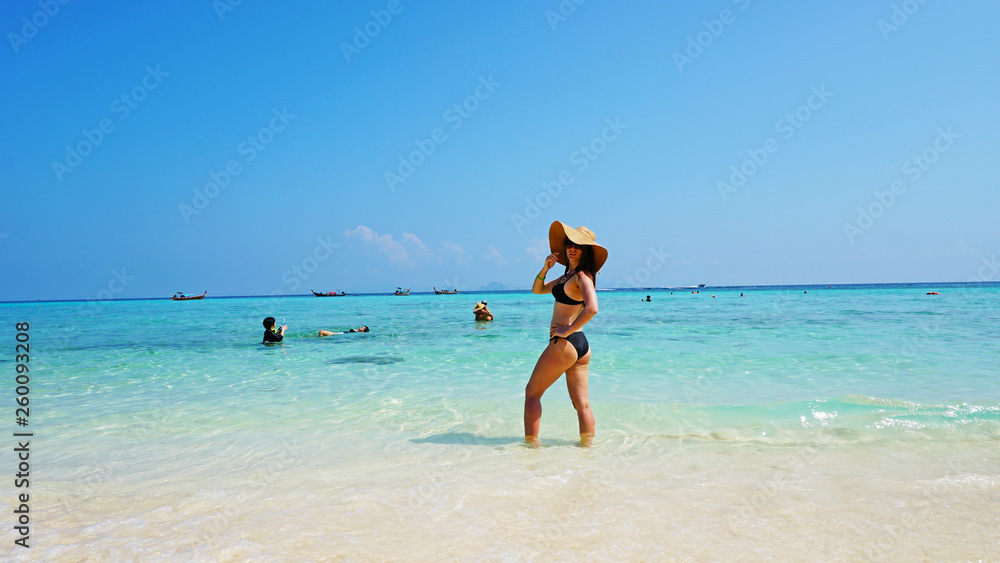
(272,333)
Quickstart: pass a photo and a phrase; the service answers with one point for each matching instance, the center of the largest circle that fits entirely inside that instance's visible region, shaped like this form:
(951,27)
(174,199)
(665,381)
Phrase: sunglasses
(570,244)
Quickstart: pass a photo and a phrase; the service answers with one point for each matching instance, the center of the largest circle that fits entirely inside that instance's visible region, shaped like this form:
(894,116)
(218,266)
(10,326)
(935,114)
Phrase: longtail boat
(329,294)
(181,296)
(444,291)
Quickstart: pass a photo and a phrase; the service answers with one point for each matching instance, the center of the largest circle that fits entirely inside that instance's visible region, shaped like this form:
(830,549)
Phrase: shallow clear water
(775,425)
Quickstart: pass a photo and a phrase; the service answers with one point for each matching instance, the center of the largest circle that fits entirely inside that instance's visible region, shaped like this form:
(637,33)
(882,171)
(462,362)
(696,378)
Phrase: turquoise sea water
(732,423)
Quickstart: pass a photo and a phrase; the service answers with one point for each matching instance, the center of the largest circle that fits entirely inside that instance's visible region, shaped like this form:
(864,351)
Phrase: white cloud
(538,249)
(383,244)
(413,240)
(457,250)
(496,256)
(419,249)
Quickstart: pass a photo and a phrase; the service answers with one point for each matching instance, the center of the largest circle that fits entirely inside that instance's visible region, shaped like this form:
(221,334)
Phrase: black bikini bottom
(579,341)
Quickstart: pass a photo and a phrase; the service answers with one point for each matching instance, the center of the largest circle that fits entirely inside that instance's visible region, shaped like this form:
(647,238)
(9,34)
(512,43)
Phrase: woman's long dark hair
(587,262)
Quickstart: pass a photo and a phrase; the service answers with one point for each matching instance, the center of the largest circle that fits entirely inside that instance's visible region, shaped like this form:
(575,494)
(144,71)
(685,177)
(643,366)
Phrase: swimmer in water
(272,333)
(482,312)
(329,333)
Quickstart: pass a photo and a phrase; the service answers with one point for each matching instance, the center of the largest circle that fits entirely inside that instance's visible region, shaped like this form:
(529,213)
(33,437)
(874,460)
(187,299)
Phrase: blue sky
(154,148)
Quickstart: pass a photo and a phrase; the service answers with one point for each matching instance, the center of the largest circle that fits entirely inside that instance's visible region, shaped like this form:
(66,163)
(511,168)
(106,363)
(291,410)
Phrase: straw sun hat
(559,232)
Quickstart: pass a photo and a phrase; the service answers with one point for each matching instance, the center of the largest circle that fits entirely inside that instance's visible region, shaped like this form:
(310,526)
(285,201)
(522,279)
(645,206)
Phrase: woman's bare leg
(554,361)
(576,383)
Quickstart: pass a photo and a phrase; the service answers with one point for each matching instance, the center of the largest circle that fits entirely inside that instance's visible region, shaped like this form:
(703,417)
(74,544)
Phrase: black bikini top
(560,294)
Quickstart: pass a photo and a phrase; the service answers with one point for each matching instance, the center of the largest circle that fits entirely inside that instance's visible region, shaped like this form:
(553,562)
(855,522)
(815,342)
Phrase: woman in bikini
(568,351)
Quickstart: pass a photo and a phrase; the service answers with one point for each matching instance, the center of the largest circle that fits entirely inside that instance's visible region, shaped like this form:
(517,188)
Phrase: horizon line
(368,294)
